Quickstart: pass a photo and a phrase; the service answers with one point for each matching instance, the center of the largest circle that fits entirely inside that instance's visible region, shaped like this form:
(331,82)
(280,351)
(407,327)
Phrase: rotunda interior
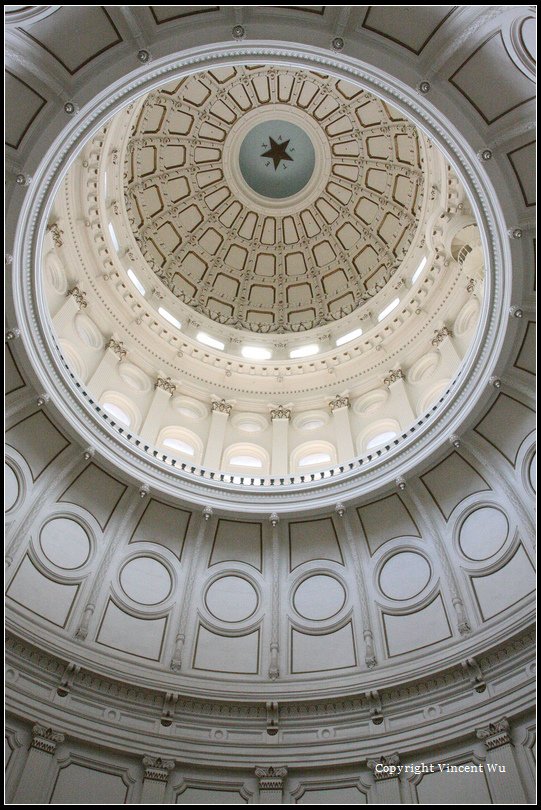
(270,404)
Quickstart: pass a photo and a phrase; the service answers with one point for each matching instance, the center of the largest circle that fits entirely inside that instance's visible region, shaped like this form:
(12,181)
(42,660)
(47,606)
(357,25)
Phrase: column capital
(56,233)
(45,739)
(386,767)
(280,412)
(393,376)
(271,778)
(221,406)
(79,296)
(117,347)
(495,734)
(165,384)
(157,769)
(440,335)
(340,401)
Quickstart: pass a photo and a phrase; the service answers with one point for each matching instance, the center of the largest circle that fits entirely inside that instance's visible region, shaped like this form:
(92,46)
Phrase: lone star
(277,152)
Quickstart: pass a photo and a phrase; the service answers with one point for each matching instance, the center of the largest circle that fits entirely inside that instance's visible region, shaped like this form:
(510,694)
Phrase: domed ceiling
(272,200)
(271,239)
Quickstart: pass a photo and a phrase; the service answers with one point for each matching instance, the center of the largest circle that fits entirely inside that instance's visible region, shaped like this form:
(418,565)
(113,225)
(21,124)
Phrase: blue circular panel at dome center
(277,159)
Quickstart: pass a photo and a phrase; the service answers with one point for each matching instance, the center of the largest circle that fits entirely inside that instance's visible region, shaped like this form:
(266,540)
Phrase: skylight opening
(314,458)
(168,317)
(419,270)
(180,446)
(381,438)
(135,281)
(388,309)
(304,351)
(117,413)
(202,337)
(246,461)
(113,237)
(350,336)
(256,353)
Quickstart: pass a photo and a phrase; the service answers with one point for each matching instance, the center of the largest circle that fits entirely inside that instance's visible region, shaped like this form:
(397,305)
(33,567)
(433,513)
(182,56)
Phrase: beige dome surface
(265,265)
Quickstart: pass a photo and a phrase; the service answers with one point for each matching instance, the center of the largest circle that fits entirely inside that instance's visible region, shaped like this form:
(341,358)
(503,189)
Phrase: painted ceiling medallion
(277,159)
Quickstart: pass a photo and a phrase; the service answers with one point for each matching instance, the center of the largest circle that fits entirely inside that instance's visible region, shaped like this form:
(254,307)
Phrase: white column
(215,442)
(104,374)
(155,779)
(271,784)
(280,417)
(443,341)
(65,315)
(36,779)
(400,400)
(387,788)
(163,391)
(501,768)
(339,408)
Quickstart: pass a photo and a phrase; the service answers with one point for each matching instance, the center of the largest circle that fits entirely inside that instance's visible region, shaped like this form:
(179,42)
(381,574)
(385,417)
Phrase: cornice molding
(131,701)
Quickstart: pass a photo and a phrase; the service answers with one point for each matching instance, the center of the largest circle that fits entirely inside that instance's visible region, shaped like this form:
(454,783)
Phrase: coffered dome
(263,238)
(279,240)
(270,356)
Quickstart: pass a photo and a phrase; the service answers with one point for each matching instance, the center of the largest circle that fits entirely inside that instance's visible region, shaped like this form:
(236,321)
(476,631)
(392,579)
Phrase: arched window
(249,458)
(181,443)
(313,456)
(377,435)
(120,409)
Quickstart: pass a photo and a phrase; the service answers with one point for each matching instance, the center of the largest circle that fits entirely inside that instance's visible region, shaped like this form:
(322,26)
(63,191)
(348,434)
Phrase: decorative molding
(393,376)
(221,406)
(440,335)
(495,735)
(385,767)
(157,769)
(280,412)
(117,347)
(79,296)
(340,401)
(166,385)
(376,709)
(271,778)
(272,709)
(45,739)
(56,234)
(473,671)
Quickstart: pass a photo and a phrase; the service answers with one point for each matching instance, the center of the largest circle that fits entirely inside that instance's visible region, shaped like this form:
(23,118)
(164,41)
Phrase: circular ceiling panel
(145,580)
(231,599)
(65,543)
(277,158)
(319,597)
(404,575)
(483,533)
